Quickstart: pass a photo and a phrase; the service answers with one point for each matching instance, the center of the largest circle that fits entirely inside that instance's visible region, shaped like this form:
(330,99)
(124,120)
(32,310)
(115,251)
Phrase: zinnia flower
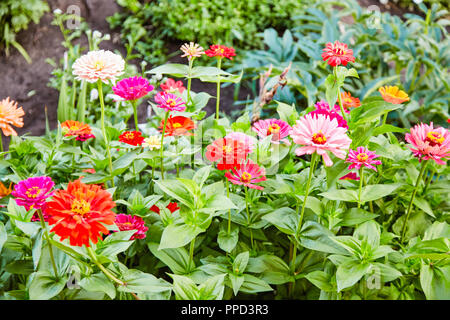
(36,217)
(247,174)
(133,88)
(81,130)
(152,142)
(248,141)
(178,126)
(337,53)
(80,213)
(229,153)
(279,130)
(323,108)
(4,191)
(169,101)
(127,222)
(350,176)
(98,65)
(133,138)
(172,86)
(393,94)
(191,50)
(362,156)
(220,51)
(33,192)
(172,206)
(10,116)
(348,101)
(319,133)
(429,142)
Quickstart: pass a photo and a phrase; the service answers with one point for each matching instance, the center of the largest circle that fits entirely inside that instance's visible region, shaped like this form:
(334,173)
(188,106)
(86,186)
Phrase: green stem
(166,116)
(134,104)
(102,105)
(191,61)
(219,64)
(103,269)
(73,155)
(1,142)
(384,118)
(428,181)
(339,95)
(229,210)
(361,181)
(248,216)
(408,211)
(191,254)
(50,248)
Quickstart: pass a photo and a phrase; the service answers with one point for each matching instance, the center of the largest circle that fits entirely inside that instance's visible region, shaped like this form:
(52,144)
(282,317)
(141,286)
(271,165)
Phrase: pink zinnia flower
(33,192)
(323,107)
(172,86)
(84,137)
(127,222)
(133,88)
(169,101)
(337,53)
(191,50)
(247,174)
(350,176)
(279,130)
(362,156)
(98,65)
(248,141)
(319,133)
(429,142)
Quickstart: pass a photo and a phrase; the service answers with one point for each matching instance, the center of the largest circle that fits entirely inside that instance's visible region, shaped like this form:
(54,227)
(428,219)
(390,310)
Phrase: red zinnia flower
(133,138)
(178,126)
(218,50)
(173,206)
(229,153)
(337,53)
(80,213)
(172,86)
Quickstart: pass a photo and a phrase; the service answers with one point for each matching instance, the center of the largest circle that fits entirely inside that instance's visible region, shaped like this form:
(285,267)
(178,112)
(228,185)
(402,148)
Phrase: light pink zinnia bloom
(279,130)
(133,88)
(248,141)
(317,133)
(127,222)
(192,50)
(169,101)
(350,176)
(98,65)
(362,156)
(33,192)
(429,142)
(247,174)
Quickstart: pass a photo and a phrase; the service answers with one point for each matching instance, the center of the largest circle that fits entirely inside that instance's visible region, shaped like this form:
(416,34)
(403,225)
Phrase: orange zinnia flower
(75,128)
(348,101)
(80,213)
(393,94)
(5,191)
(10,116)
(178,126)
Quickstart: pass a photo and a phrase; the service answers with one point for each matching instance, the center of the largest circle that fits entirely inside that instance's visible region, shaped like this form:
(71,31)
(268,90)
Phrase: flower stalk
(166,116)
(105,137)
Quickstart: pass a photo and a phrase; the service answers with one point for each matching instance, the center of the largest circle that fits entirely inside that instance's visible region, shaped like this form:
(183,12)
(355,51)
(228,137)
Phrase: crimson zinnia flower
(337,53)
(220,51)
(350,176)
(133,88)
(173,206)
(229,153)
(80,213)
(33,192)
(127,222)
(247,174)
(133,138)
(362,156)
(172,86)
(178,126)
(323,107)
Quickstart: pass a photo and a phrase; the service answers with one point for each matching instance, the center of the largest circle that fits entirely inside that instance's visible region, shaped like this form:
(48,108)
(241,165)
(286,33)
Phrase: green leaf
(176,259)
(342,195)
(176,190)
(253,284)
(219,202)
(376,191)
(240,262)
(213,288)
(385,128)
(184,288)
(435,281)
(424,206)
(178,235)
(331,90)
(369,231)
(321,280)
(227,241)
(201,175)
(173,69)
(24,267)
(285,219)
(349,273)
(316,237)
(236,282)
(123,163)
(3,235)
(44,286)
(141,282)
(356,216)
(372,110)
(98,282)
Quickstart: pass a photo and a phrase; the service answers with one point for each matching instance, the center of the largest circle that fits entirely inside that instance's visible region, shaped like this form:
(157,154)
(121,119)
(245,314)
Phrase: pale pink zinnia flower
(362,156)
(169,101)
(248,141)
(98,65)
(191,50)
(320,134)
(429,142)
(247,174)
(279,130)
(133,88)
(127,222)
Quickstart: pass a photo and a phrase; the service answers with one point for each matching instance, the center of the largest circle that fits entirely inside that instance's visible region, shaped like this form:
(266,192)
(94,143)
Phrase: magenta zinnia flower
(247,174)
(169,101)
(132,88)
(319,133)
(429,142)
(337,53)
(350,176)
(248,141)
(33,192)
(362,156)
(127,222)
(279,130)
(323,107)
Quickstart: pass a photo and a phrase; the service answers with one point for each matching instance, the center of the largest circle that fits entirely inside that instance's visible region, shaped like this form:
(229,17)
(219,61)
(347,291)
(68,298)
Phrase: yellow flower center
(74,128)
(129,136)
(319,138)
(99,65)
(227,149)
(435,138)
(362,157)
(33,192)
(171,102)
(80,207)
(274,128)
(177,125)
(246,177)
